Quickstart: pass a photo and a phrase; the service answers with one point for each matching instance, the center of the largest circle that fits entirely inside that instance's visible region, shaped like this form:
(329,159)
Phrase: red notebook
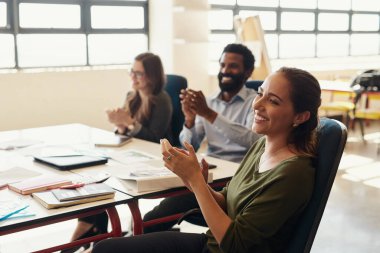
(40,183)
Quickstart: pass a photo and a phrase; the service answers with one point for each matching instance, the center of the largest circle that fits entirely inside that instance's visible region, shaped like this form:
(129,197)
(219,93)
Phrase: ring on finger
(169,157)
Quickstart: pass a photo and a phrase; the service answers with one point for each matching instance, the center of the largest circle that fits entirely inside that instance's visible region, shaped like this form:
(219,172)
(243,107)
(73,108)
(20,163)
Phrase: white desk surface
(78,135)
(225,169)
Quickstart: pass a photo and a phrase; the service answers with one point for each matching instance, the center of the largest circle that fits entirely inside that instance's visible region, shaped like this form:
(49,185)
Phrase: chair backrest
(332,137)
(173,87)
(254,84)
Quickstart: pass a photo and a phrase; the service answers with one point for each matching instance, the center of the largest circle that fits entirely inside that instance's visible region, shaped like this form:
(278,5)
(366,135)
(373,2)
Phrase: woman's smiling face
(273,108)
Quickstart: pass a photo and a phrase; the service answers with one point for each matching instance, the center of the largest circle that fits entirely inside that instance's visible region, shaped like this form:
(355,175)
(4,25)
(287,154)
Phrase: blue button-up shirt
(230,136)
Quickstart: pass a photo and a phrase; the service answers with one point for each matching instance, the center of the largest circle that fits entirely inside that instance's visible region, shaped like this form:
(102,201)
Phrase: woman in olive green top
(257,210)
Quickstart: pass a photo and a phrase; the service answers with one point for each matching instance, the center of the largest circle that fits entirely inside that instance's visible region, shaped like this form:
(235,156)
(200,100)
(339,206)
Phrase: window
(303,28)
(52,33)
(371,42)
(334,5)
(291,21)
(365,5)
(340,22)
(262,3)
(34,15)
(221,19)
(268,19)
(3,14)
(117,17)
(332,45)
(365,22)
(303,4)
(7,57)
(43,50)
(297,45)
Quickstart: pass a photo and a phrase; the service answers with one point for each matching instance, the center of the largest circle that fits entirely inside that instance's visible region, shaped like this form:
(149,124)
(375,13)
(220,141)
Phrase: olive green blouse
(264,207)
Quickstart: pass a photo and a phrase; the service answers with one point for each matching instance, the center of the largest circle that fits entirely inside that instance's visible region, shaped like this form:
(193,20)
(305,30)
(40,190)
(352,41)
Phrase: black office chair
(332,137)
(174,85)
(254,84)
(332,140)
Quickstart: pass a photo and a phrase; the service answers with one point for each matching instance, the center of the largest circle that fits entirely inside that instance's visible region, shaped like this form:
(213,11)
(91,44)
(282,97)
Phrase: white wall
(179,34)
(49,98)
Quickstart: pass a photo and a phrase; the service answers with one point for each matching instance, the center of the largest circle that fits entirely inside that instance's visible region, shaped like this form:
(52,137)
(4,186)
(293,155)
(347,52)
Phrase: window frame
(13,27)
(278,31)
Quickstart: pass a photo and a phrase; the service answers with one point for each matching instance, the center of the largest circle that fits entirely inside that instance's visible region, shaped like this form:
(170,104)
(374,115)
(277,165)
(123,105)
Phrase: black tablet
(71,162)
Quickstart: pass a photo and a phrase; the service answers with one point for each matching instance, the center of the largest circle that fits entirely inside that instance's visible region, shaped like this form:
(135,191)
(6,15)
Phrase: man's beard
(235,84)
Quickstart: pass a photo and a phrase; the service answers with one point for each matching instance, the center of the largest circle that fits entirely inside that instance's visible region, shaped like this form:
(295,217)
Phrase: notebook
(71,162)
(39,183)
(48,200)
(86,191)
(15,174)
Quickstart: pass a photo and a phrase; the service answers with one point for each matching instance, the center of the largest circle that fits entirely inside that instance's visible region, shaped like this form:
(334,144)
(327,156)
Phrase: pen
(12,213)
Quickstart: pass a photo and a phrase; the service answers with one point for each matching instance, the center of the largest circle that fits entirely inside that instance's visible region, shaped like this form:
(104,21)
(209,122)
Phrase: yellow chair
(368,108)
(338,102)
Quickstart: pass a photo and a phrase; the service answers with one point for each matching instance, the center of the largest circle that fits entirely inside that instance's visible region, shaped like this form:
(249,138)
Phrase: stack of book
(69,197)
(39,183)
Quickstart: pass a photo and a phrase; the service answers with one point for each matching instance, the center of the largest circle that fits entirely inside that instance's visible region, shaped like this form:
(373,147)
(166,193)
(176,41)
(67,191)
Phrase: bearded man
(224,119)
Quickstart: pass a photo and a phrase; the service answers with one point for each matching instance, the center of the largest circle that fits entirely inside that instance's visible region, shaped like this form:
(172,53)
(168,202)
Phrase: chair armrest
(191,212)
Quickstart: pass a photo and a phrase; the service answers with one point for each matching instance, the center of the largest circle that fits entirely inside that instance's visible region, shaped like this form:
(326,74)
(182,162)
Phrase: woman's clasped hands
(184,163)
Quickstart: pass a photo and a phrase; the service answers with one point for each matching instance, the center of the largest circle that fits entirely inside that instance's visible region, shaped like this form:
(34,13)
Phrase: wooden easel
(250,32)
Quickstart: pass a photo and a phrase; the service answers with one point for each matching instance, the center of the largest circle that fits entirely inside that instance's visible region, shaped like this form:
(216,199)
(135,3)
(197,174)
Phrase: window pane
(364,44)
(7,50)
(268,19)
(291,21)
(3,14)
(271,41)
(216,44)
(222,2)
(340,22)
(117,17)
(297,45)
(365,22)
(303,4)
(334,5)
(263,3)
(49,15)
(220,19)
(115,48)
(41,50)
(332,45)
(365,5)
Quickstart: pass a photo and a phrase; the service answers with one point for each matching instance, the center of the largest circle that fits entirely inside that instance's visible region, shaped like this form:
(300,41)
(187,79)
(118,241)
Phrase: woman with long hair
(146,115)
(147,110)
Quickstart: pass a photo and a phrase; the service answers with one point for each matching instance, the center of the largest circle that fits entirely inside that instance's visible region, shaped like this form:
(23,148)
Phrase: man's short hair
(248,58)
